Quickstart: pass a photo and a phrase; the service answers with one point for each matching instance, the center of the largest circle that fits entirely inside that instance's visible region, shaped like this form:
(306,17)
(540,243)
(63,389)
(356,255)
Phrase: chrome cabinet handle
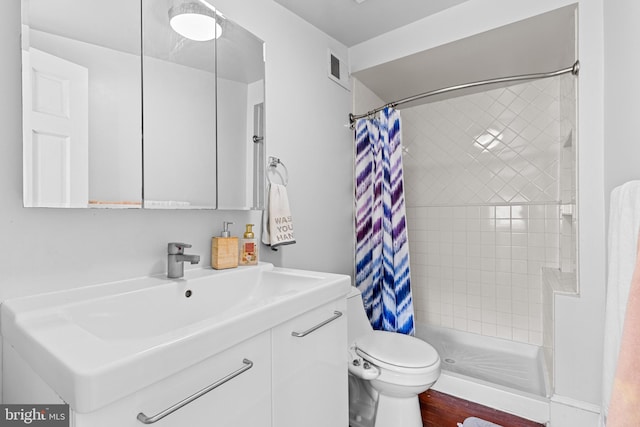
(248,364)
(336,314)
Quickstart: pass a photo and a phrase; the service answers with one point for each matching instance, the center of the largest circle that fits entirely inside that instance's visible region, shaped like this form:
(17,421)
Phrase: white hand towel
(277,222)
(624,223)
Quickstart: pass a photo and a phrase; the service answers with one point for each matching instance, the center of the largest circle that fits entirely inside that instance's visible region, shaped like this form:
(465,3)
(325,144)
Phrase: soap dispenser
(248,247)
(224,249)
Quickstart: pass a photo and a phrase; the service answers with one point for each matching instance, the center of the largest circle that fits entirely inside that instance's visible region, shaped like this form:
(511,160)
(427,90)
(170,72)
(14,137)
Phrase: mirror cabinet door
(81,103)
(122,108)
(179,107)
(241,137)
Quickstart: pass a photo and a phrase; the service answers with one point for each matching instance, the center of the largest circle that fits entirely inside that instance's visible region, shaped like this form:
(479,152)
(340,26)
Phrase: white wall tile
(489,329)
(484,220)
(504,332)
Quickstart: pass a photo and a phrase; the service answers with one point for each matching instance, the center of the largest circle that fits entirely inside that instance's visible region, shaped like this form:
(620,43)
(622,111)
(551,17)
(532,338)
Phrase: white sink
(96,344)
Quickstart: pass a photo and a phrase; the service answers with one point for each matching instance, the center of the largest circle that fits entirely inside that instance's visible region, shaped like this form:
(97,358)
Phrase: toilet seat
(397,352)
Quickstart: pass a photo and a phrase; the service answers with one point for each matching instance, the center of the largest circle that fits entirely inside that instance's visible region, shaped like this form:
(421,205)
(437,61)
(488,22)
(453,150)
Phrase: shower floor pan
(492,371)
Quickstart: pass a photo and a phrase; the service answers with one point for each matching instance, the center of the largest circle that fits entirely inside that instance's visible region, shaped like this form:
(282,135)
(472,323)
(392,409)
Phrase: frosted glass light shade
(195,22)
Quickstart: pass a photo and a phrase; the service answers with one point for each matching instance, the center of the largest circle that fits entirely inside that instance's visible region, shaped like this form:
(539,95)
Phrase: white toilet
(387,372)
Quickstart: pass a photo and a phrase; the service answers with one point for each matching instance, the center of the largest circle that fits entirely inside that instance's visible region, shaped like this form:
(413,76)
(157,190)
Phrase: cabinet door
(242,401)
(310,372)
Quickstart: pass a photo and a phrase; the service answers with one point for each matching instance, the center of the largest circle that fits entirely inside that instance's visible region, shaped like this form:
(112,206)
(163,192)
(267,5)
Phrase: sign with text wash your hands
(34,415)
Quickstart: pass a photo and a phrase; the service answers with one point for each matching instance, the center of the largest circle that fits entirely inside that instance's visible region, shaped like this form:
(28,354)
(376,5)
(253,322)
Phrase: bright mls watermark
(34,415)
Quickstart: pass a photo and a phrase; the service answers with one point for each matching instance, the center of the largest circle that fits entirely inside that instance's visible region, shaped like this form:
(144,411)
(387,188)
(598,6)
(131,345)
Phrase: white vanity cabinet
(309,365)
(254,347)
(297,377)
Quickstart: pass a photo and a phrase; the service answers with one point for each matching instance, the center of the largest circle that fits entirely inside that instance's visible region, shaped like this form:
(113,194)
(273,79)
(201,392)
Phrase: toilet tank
(357,322)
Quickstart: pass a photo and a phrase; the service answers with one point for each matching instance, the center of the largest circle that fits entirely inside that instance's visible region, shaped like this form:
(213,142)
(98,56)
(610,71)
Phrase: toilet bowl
(387,372)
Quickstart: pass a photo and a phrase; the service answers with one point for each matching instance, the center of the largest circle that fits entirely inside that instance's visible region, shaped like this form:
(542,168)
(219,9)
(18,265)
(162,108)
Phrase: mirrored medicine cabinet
(123,109)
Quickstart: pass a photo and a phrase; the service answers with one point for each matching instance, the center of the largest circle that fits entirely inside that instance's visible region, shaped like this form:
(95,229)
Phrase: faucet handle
(175,248)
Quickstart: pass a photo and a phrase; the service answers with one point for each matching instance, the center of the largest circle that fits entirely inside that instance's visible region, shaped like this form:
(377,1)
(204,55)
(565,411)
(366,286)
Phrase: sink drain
(450,361)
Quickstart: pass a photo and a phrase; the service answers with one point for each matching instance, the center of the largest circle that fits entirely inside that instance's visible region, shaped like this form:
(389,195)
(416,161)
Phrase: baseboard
(568,412)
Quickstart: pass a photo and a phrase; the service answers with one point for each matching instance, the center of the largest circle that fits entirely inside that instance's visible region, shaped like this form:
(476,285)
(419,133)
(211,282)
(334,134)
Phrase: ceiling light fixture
(195,21)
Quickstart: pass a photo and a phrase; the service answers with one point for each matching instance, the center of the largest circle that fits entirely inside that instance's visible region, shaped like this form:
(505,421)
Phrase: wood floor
(441,410)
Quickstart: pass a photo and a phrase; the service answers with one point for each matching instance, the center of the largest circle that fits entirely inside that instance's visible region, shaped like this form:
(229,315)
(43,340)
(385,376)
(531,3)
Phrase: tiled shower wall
(483,195)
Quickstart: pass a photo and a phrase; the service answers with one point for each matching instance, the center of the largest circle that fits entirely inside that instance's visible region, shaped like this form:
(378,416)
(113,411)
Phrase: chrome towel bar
(248,364)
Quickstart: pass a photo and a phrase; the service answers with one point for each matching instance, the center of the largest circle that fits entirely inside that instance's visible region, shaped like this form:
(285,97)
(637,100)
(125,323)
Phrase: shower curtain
(382,247)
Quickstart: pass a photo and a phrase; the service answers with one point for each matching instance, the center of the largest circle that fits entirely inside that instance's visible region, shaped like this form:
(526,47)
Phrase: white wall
(363,98)
(48,249)
(305,112)
(622,87)
(579,320)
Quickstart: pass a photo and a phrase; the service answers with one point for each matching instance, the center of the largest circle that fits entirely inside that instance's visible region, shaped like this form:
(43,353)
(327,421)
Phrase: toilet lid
(396,349)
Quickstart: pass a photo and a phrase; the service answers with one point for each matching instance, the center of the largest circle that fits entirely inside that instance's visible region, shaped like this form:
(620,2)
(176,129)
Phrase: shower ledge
(561,283)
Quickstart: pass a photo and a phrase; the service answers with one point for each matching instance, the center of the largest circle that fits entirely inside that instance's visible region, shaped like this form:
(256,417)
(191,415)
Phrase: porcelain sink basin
(96,344)
(174,306)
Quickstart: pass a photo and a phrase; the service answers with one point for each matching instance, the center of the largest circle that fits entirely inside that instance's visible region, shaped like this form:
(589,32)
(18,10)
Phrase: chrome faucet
(176,259)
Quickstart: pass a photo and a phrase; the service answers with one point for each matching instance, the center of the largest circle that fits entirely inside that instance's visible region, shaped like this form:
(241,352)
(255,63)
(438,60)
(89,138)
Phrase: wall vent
(337,70)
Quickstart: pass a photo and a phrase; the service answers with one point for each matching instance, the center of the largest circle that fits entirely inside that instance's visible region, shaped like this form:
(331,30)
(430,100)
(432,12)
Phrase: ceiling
(352,22)
(538,44)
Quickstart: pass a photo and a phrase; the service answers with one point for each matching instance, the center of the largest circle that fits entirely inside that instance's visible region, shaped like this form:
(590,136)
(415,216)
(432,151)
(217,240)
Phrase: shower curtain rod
(574,69)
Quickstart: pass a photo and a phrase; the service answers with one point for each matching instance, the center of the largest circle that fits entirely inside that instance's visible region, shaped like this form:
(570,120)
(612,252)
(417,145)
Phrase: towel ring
(274,162)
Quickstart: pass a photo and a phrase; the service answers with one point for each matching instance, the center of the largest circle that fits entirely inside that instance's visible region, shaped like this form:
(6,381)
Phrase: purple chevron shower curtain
(382,247)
